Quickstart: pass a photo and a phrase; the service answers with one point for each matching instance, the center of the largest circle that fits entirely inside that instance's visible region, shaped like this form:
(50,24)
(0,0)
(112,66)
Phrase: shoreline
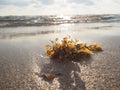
(21,63)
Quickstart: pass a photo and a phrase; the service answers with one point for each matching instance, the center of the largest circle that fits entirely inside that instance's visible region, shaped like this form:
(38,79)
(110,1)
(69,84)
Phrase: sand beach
(23,60)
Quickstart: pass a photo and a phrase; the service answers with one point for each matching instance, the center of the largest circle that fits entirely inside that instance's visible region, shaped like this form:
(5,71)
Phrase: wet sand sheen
(23,60)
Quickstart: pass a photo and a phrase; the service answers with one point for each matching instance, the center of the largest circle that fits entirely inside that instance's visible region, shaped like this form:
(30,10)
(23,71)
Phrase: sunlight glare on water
(64,17)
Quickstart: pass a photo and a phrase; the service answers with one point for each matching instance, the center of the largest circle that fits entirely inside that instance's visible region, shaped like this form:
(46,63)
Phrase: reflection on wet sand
(14,35)
(15,32)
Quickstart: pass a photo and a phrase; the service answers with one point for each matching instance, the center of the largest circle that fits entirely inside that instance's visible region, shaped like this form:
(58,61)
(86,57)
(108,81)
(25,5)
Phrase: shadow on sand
(68,73)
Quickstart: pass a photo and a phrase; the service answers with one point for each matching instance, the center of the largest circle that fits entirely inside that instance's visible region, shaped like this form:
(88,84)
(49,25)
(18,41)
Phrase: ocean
(17,26)
(56,20)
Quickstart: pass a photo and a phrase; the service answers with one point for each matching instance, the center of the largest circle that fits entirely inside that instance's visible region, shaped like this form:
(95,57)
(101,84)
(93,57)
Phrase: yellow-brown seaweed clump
(69,49)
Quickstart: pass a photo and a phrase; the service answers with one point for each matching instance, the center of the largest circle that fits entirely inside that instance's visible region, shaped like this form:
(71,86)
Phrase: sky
(58,7)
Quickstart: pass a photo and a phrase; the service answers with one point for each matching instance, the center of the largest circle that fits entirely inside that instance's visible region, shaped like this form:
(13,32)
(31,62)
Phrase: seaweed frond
(68,49)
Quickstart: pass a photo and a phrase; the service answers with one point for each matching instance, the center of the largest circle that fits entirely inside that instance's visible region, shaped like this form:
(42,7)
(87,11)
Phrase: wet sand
(23,61)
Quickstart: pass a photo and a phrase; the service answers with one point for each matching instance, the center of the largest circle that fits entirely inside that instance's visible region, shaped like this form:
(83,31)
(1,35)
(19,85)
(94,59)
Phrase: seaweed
(69,49)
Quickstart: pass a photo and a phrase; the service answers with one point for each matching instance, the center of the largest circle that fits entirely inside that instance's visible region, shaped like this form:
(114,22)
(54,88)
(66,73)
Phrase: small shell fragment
(49,76)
